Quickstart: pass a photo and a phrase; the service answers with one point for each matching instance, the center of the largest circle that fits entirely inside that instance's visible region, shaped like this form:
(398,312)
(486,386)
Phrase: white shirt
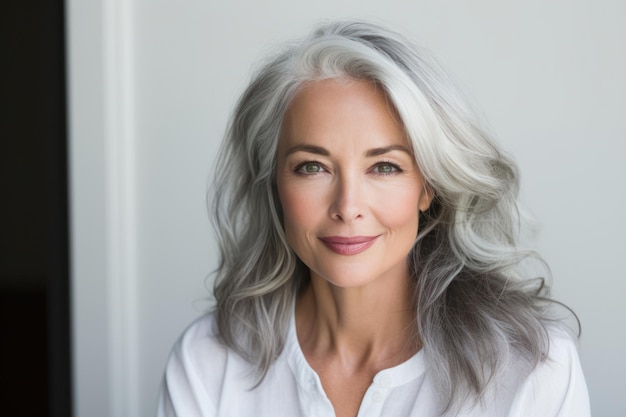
(203,378)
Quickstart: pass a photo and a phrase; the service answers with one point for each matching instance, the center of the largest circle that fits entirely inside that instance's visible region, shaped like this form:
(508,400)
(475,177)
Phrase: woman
(369,256)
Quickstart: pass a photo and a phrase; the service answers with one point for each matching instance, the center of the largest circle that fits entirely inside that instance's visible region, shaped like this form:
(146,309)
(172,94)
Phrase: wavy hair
(473,308)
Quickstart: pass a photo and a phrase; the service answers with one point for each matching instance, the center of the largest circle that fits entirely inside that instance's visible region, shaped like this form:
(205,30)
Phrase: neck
(370,324)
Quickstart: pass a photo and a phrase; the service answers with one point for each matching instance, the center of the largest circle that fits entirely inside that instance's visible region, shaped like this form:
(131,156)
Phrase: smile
(348,245)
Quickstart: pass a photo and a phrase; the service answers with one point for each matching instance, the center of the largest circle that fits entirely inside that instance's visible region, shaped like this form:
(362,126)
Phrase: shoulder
(194,371)
(562,363)
(205,378)
(200,341)
(200,351)
(556,386)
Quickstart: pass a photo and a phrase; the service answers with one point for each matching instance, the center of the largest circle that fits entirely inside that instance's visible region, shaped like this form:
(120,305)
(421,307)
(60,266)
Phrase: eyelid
(397,168)
(300,165)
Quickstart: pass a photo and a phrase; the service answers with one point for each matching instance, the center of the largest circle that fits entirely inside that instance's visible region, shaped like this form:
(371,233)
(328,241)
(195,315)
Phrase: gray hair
(473,309)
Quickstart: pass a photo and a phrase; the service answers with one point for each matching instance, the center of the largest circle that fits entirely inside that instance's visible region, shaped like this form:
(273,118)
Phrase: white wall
(151,87)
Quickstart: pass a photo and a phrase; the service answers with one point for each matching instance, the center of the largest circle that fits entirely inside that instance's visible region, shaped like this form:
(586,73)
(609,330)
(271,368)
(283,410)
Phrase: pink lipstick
(348,245)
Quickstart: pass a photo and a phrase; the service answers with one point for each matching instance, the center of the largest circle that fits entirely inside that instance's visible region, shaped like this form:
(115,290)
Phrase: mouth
(348,245)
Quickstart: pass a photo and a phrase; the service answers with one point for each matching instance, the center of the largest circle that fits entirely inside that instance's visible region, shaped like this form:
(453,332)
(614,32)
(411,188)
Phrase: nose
(348,202)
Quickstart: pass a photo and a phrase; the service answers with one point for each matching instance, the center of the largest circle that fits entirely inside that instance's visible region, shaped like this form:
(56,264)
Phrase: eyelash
(299,169)
(396,168)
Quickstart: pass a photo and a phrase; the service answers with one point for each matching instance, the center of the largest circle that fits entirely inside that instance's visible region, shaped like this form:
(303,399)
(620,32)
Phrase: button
(386,380)
(378,396)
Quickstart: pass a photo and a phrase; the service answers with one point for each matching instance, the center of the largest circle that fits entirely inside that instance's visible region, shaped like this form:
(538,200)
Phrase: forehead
(333,110)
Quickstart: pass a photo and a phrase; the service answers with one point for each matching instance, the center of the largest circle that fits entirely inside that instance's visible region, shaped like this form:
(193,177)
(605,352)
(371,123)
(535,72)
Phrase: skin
(345,168)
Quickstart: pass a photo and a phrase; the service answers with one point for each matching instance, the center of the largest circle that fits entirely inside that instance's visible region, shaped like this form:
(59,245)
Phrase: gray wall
(153,82)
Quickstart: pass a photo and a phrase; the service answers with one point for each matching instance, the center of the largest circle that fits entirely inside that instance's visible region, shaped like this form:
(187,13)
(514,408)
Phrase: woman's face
(348,183)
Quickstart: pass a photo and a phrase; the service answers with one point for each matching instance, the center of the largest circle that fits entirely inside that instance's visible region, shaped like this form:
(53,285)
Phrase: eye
(307,168)
(386,168)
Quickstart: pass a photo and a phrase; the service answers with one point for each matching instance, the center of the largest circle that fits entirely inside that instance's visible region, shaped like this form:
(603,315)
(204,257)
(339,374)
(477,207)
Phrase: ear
(426,197)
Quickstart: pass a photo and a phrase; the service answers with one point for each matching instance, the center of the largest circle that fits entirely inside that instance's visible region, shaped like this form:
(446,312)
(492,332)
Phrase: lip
(353,245)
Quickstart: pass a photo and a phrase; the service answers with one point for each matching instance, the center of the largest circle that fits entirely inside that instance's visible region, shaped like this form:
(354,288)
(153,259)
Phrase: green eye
(386,168)
(309,168)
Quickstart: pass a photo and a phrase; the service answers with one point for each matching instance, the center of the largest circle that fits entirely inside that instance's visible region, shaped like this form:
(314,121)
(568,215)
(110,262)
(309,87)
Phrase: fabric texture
(203,378)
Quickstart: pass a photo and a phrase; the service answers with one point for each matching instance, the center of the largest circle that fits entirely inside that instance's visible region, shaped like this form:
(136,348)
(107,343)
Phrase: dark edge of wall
(58,288)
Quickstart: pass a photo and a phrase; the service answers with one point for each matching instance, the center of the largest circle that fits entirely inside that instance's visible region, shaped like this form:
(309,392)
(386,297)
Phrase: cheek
(402,211)
(299,209)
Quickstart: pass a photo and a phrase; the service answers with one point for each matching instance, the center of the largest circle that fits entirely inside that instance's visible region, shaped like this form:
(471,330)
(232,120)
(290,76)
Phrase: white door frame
(102,207)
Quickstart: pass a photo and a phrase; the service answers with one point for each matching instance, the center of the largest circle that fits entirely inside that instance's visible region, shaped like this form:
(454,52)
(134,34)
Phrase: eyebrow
(308,148)
(387,149)
(318,150)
